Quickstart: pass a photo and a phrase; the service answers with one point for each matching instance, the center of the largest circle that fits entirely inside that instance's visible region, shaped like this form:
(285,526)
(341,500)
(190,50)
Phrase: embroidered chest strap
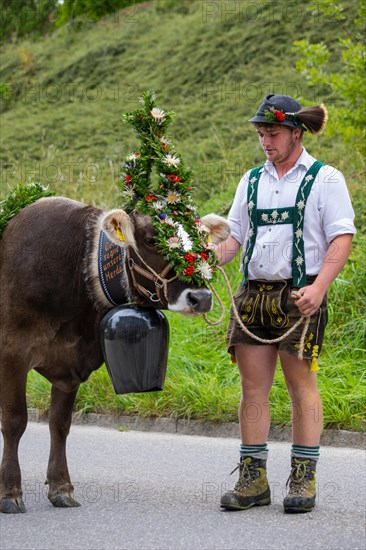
(278,216)
(111,265)
(298,250)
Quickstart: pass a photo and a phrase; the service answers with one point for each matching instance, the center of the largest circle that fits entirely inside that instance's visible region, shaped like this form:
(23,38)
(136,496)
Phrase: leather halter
(159,280)
(111,260)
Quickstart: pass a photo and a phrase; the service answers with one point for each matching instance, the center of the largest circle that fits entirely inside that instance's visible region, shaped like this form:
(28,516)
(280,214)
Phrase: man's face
(278,142)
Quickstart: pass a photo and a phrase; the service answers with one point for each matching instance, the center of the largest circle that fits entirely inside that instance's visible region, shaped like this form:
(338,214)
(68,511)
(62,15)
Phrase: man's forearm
(227,250)
(334,261)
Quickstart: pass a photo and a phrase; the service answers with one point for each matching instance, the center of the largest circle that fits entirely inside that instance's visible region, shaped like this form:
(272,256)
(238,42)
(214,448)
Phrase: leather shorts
(268,311)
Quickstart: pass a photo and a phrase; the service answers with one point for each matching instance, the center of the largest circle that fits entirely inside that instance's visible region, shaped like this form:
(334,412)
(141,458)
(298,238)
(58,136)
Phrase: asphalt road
(143,490)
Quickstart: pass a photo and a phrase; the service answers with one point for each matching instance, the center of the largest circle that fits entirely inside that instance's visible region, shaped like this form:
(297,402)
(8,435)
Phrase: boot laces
(248,474)
(298,477)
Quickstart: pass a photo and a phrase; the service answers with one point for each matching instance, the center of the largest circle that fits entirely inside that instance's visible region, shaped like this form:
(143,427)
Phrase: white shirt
(328,213)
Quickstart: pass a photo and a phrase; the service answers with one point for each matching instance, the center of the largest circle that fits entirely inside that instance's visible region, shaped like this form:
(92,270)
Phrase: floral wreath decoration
(180,236)
(277,115)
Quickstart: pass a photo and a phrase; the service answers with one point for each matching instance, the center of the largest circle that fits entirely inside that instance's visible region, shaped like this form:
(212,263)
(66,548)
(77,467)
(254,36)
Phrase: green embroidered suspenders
(278,216)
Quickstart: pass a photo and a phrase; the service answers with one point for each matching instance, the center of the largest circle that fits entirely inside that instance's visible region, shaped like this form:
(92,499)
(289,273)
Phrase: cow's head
(135,233)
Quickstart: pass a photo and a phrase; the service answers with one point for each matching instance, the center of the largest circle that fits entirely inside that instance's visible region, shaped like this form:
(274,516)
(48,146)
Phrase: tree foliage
(23,17)
(348,84)
(91,10)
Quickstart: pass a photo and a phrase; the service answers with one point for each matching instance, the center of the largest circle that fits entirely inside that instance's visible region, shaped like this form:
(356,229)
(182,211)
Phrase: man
(294,221)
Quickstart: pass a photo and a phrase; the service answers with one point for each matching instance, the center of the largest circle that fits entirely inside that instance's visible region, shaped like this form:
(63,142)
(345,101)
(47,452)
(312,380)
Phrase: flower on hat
(274,115)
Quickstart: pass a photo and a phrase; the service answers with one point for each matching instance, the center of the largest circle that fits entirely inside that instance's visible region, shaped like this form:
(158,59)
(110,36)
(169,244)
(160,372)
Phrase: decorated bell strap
(279,216)
(111,265)
(298,251)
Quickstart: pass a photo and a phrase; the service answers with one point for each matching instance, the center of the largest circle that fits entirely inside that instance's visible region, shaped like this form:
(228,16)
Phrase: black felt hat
(279,109)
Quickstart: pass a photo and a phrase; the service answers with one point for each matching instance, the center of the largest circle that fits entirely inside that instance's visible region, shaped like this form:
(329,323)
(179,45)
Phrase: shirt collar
(305,160)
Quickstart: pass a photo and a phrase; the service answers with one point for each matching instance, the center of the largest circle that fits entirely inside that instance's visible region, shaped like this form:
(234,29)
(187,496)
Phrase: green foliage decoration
(179,234)
(20,197)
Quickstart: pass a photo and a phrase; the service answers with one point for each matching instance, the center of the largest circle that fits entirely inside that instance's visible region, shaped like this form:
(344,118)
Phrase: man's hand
(311,298)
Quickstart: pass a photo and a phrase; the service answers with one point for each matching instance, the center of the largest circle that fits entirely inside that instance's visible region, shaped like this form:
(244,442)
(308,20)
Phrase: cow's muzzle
(192,302)
(200,301)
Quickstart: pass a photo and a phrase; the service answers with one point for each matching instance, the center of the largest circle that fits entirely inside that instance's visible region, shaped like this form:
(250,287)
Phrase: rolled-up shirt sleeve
(335,205)
(238,209)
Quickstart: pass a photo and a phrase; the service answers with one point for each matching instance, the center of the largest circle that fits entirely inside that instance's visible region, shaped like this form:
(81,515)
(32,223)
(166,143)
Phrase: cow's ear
(119,228)
(218,227)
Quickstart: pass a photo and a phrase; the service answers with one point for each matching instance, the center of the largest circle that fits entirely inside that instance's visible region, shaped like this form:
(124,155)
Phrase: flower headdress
(180,236)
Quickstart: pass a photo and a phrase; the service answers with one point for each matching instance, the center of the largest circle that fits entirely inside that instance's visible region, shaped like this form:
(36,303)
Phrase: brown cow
(51,305)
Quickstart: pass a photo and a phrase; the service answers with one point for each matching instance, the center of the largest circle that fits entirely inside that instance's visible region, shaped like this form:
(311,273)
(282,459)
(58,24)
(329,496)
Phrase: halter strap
(159,280)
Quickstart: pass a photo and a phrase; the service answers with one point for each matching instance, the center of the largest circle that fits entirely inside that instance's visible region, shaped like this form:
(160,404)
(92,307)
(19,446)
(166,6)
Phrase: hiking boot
(252,489)
(302,491)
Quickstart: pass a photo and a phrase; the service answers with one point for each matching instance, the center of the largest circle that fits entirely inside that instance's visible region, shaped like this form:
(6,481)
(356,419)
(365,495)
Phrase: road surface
(143,490)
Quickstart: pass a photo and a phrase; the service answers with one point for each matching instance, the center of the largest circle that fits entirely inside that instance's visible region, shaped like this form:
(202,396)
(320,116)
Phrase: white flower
(172,197)
(205,270)
(251,205)
(165,141)
(299,261)
(300,205)
(253,180)
(284,215)
(158,115)
(171,160)
(185,238)
(133,157)
(274,214)
(168,221)
(309,178)
(159,205)
(264,217)
(246,259)
(174,242)
(129,192)
(251,233)
(298,233)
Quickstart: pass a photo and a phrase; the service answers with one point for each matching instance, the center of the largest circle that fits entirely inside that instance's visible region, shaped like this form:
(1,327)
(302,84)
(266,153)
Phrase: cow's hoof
(10,505)
(63,501)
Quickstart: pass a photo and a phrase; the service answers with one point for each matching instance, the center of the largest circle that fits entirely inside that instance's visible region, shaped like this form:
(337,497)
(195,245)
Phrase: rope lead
(246,330)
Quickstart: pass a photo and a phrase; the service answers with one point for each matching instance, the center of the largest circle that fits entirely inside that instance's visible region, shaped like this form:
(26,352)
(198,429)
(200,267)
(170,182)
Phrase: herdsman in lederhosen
(293,219)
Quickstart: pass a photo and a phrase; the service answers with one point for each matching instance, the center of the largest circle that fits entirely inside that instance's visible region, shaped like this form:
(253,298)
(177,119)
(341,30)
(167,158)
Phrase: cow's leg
(61,490)
(13,424)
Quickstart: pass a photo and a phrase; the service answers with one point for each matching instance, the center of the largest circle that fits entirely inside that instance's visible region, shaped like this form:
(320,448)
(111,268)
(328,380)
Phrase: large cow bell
(135,343)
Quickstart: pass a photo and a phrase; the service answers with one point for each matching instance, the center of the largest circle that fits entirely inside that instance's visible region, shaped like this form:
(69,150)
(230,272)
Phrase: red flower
(280,116)
(173,178)
(189,270)
(190,258)
(150,198)
(204,256)
(128,179)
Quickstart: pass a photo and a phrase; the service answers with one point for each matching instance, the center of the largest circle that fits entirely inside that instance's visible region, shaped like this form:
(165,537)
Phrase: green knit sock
(303,451)
(256,451)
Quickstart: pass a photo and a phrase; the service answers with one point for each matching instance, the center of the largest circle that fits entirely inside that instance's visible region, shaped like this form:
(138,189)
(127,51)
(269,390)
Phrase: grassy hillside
(211,62)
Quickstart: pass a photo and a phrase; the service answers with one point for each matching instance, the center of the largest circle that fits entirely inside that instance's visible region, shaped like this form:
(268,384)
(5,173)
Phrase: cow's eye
(149,241)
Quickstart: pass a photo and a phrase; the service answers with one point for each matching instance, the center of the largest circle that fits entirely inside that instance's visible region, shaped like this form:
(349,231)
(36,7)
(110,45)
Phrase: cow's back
(46,310)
